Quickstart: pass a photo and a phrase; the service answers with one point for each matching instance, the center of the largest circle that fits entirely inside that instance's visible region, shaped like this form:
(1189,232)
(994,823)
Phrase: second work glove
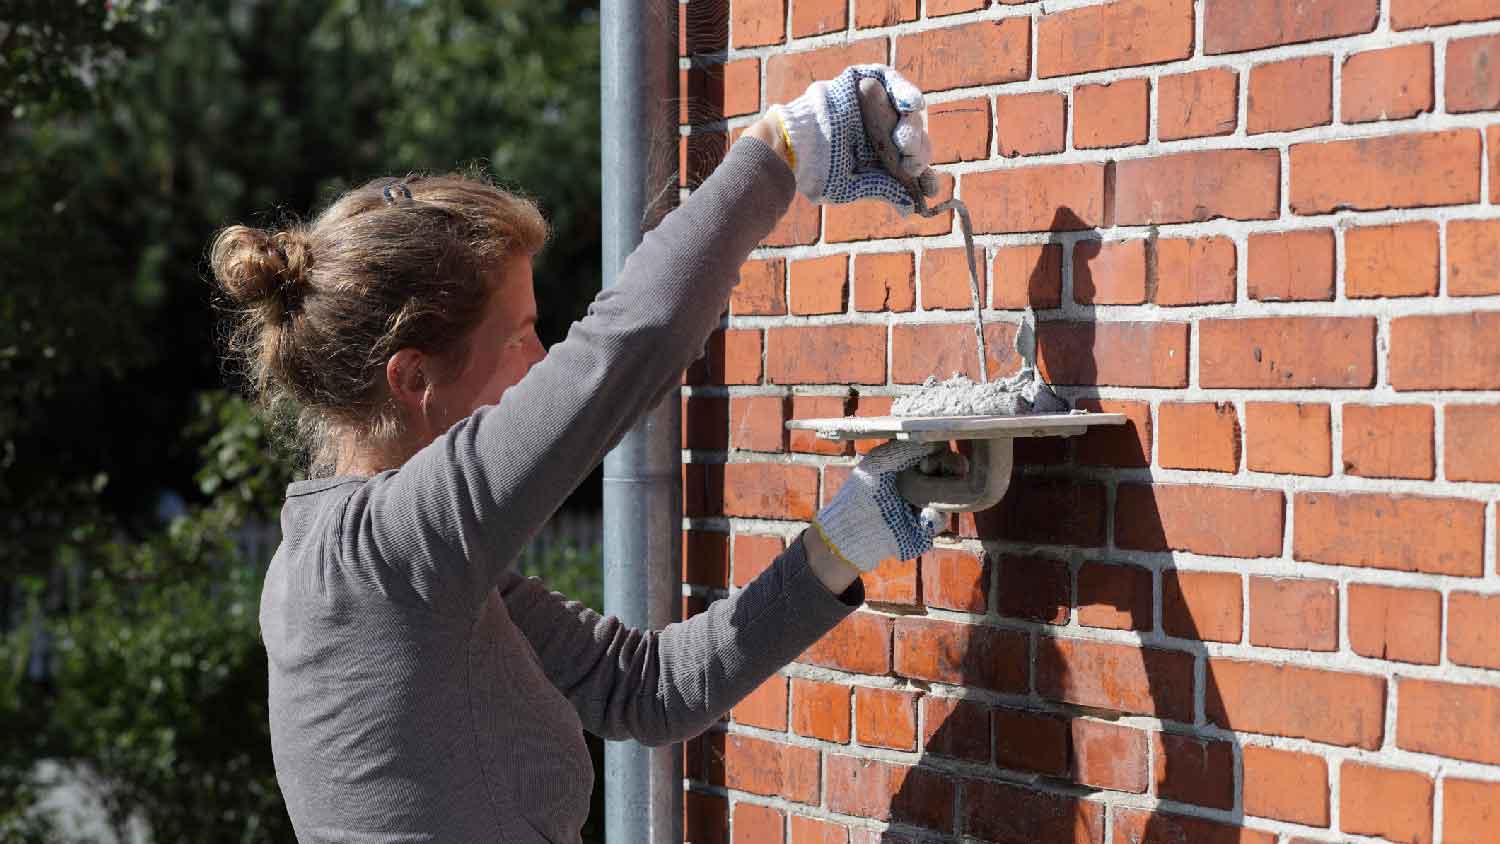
(868,521)
(835,161)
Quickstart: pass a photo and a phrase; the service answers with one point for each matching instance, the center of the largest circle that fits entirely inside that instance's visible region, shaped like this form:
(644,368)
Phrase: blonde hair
(318,308)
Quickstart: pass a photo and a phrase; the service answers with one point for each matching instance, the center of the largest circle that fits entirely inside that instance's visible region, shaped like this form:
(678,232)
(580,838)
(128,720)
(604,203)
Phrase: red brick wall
(1268,231)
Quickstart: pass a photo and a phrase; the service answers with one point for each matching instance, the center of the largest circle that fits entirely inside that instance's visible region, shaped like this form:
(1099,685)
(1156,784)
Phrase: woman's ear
(405,374)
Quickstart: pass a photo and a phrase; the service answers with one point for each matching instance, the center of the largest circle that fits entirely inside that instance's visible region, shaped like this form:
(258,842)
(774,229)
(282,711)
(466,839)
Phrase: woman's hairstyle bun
(262,272)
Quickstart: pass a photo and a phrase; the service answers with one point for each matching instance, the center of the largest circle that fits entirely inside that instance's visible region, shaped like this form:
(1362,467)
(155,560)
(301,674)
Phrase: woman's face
(502,348)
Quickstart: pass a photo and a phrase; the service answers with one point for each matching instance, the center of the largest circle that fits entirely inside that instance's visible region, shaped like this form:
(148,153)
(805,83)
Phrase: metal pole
(642,486)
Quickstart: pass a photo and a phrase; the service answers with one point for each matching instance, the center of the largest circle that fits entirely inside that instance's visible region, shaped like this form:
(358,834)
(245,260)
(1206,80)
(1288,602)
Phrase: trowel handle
(880,118)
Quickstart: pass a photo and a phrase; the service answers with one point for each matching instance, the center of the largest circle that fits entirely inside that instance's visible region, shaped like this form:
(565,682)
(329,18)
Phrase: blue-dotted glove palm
(868,521)
(834,159)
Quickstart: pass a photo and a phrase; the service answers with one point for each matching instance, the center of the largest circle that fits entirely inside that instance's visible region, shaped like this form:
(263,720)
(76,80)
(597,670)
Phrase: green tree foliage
(130,131)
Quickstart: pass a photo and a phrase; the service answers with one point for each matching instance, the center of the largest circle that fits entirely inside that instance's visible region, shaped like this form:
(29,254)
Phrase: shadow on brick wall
(1032,761)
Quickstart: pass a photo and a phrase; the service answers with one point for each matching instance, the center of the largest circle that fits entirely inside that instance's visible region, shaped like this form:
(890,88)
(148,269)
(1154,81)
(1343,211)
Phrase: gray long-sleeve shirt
(422,691)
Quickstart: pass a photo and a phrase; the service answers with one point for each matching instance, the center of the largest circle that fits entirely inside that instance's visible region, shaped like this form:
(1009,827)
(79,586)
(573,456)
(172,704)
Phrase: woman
(420,690)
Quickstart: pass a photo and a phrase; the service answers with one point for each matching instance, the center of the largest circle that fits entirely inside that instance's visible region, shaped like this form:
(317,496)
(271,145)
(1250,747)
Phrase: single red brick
(1199,435)
(1492,136)
(1285,438)
(835,476)
(1448,719)
(1194,770)
(770,490)
(1450,352)
(705,818)
(961,654)
(771,768)
(1231,26)
(1194,271)
(1473,83)
(886,718)
(765,707)
(807,830)
(1469,452)
(1031,124)
(1385,802)
(986,52)
(1003,812)
(872,219)
(1116,445)
(820,710)
(1060,197)
(1124,354)
(757,825)
(702,489)
(1031,741)
(1287,352)
(1027,276)
(1044,511)
(1121,678)
(1474,629)
(820,285)
(960,130)
(1197,105)
(826,354)
(1390,441)
(1395,260)
(884,281)
(762,289)
(1218,520)
(739,357)
(1112,114)
(1474,255)
(1471,810)
(1286,786)
(815,17)
(923,350)
(818,407)
(741,87)
(1135,826)
(1401,532)
(1124,33)
(866,788)
(872,13)
(938,8)
(1108,755)
(789,74)
(1114,596)
(1111,273)
(799,226)
(1388,84)
(705,558)
(1207,606)
(705,423)
(1190,187)
(893,582)
(753,555)
(1399,624)
(1291,94)
(1294,613)
(757,423)
(954,579)
(1292,266)
(1410,14)
(861,644)
(957,728)
(756,23)
(1332,707)
(1037,588)
(945,279)
(1387,171)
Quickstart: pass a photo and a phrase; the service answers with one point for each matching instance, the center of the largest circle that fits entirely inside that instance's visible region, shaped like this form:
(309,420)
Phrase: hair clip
(395,192)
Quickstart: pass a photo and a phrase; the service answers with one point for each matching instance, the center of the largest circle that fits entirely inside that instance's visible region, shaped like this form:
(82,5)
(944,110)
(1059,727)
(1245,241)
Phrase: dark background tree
(130,131)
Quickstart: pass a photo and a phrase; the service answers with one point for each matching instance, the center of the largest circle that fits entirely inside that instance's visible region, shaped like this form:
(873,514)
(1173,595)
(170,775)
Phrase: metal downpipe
(642,486)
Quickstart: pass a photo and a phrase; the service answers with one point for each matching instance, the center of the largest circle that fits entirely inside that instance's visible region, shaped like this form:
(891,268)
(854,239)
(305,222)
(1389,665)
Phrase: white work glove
(868,521)
(834,159)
